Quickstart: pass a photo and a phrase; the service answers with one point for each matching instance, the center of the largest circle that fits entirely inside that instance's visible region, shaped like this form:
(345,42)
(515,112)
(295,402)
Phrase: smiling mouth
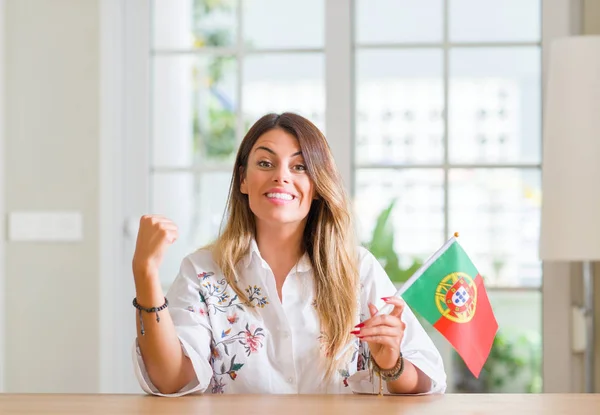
(280,196)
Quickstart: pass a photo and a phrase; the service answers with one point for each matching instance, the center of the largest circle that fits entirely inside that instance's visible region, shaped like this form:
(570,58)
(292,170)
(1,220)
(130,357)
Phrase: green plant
(381,246)
(220,140)
(497,265)
(513,365)
(214,116)
(203,32)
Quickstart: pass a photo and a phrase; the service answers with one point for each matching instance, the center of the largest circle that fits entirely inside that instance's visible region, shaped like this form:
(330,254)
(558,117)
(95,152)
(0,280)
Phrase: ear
(243,184)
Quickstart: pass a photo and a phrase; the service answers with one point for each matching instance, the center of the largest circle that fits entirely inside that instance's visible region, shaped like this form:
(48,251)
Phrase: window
(217,66)
(446,121)
(448,125)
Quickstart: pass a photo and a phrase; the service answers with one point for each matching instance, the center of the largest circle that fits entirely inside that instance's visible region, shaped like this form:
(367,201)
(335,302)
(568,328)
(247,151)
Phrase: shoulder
(197,271)
(200,264)
(371,271)
(201,258)
(374,281)
(364,254)
(367,262)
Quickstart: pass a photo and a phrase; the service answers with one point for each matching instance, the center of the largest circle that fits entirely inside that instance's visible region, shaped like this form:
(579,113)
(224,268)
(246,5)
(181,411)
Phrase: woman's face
(276,181)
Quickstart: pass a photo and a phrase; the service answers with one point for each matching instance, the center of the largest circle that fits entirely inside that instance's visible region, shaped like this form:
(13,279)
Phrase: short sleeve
(416,346)
(190,317)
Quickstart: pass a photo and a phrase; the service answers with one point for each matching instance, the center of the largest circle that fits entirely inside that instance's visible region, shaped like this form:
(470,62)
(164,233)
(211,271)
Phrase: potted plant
(514,365)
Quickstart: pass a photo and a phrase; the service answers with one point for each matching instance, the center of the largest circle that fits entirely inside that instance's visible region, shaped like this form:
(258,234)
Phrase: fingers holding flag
(398,304)
(384,332)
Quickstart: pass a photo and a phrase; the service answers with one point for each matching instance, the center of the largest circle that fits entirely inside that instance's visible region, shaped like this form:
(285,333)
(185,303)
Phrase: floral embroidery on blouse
(205,275)
(322,339)
(219,296)
(254,295)
(232,371)
(363,356)
(217,385)
(345,374)
(232,318)
(251,338)
(201,310)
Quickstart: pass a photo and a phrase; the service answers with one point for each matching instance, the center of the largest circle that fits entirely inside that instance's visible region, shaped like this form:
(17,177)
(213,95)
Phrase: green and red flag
(449,293)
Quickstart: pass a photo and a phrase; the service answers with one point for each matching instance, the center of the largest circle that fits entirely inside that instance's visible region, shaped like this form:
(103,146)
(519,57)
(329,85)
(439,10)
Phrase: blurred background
(433,108)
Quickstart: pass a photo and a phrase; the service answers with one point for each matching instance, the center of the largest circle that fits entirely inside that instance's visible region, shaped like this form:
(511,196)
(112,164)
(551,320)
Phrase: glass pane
(417,219)
(184,24)
(284,23)
(495,105)
(497,213)
(515,362)
(495,21)
(196,203)
(393,21)
(399,106)
(194,105)
(284,82)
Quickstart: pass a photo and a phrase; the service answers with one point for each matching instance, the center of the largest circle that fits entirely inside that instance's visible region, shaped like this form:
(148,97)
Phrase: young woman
(271,303)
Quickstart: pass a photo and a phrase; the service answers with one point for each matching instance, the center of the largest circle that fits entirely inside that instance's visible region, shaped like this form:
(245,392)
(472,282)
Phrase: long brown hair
(328,237)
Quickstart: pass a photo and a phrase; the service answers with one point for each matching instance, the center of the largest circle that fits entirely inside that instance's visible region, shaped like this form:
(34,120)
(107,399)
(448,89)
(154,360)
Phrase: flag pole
(386,309)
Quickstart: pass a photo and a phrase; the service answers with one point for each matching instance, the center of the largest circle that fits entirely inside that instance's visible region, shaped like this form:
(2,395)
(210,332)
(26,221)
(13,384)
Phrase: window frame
(446,46)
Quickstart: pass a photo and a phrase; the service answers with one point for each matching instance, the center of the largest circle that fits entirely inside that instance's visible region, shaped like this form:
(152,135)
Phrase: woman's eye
(300,167)
(264,163)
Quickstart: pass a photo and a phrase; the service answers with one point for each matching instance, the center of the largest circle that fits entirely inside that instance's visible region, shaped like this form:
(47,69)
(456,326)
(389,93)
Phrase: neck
(280,246)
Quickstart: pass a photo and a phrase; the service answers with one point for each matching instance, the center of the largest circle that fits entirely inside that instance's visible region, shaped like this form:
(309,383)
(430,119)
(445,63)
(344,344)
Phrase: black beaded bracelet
(149,310)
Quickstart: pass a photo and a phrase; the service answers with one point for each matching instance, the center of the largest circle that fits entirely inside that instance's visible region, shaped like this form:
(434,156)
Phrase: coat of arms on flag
(456,297)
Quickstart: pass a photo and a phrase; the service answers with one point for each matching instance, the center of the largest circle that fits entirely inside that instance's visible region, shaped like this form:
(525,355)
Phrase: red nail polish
(355,332)
(385,298)
(359,325)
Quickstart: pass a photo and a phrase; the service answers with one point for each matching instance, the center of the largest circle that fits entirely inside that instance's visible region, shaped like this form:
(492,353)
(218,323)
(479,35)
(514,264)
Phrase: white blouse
(275,350)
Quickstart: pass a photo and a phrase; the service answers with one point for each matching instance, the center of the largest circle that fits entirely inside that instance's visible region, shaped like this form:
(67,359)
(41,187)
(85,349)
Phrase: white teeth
(283,196)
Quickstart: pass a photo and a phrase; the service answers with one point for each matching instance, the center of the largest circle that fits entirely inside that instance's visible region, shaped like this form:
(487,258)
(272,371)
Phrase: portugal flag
(448,292)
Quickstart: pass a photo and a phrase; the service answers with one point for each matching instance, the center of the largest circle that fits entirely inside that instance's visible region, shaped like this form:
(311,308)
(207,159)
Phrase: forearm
(412,380)
(167,366)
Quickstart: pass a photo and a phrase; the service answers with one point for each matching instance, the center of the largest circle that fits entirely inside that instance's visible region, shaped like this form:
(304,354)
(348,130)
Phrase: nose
(282,174)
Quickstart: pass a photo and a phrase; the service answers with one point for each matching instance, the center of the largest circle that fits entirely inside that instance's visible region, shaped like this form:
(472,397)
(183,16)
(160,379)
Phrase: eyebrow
(268,150)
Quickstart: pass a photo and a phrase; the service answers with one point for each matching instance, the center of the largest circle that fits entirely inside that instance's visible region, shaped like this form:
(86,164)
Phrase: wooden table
(505,404)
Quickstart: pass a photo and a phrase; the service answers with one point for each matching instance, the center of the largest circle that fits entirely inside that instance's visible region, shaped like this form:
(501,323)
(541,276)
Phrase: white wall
(591,26)
(2,230)
(564,370)
(51,141)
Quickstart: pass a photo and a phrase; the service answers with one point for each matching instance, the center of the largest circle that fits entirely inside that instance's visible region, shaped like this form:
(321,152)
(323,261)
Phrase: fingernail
(385,298)
(355,332)
(359,325)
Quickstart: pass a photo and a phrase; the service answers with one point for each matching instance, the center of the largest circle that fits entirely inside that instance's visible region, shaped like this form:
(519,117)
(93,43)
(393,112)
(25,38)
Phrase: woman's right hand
(156,233)
(167,366)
